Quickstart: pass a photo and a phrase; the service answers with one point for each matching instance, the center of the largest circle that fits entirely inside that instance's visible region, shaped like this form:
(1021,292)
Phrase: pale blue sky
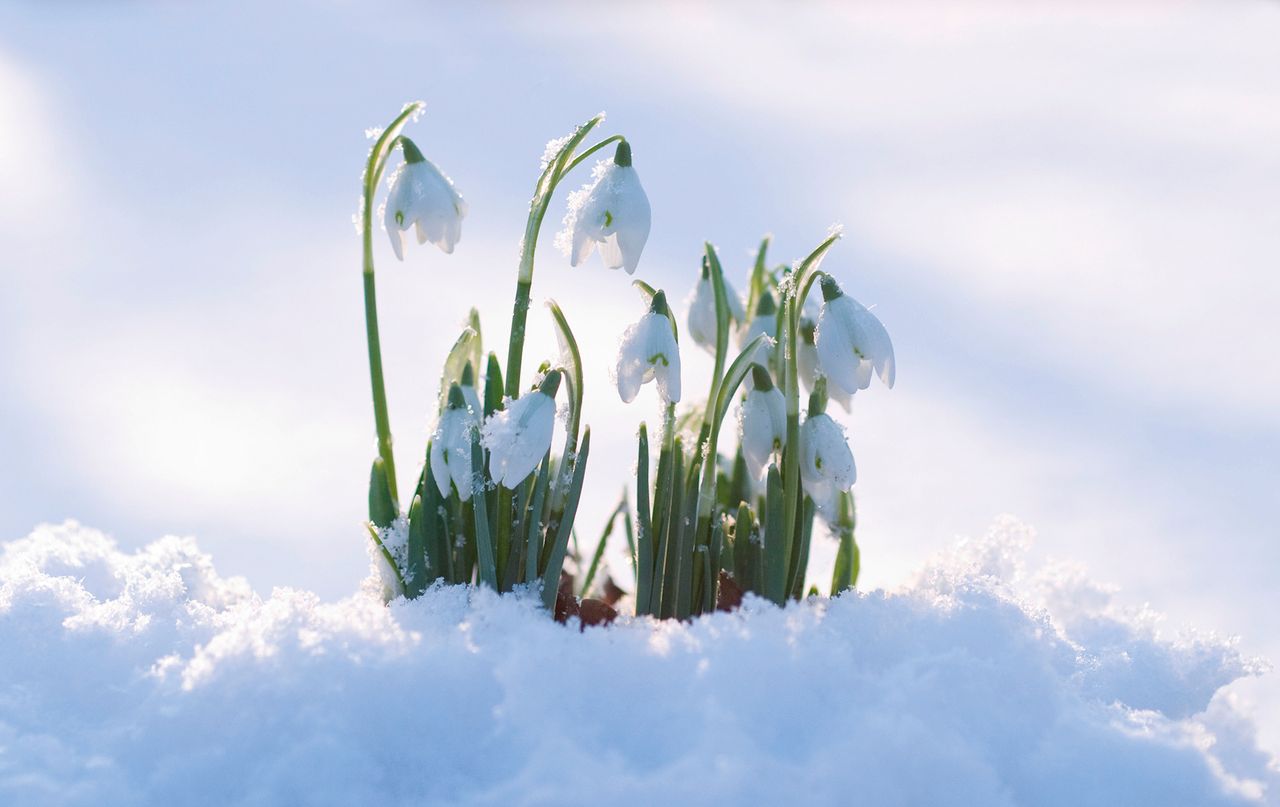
(1067,219)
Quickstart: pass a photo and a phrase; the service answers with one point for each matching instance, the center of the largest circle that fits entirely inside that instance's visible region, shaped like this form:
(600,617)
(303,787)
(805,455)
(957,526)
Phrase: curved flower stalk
(762,422)
(519,436)
(611,212)
(558,160)
(851,341)
(702,309)
(374,167)
(423,197)
(648,352)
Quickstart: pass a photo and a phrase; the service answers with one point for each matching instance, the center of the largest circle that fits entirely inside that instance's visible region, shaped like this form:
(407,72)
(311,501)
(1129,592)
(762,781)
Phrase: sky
(1065,215)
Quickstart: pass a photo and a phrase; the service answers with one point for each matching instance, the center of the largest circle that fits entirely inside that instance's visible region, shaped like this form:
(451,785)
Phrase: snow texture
(146,678)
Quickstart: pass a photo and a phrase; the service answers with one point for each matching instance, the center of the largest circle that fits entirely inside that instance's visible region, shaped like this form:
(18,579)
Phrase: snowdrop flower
(765,321)
(762,421)
(613,212)
(519,436)
(826,463)
(702,309)
(451,446)
(851,342)
(649,352)
(807,365)
(423,197)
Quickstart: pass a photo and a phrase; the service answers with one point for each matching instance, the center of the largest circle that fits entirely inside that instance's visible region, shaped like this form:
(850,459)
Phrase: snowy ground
(146,678)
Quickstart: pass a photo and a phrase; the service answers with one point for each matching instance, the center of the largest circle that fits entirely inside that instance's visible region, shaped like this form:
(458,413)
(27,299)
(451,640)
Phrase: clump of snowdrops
(494,505)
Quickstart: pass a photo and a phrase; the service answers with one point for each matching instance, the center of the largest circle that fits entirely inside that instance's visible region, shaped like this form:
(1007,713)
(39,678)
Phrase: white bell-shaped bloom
(851,342)
(612,212)
(519,436)
(649,352)
(762,421)
(425,198)
(702,310)
(765,321)
(451,446)
(826,463)
(809,369)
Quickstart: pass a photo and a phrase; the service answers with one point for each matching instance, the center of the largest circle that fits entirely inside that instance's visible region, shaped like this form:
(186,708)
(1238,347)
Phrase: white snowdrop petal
(611,252)
(668,376)
(702,315)
(825,455)
(633,217)
(582,246)
(439,466)
(518,437)
(835,345)
(422,197)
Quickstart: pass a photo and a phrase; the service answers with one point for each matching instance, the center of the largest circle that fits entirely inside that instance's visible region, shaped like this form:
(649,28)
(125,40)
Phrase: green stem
(584,155)
(374,167)
(556,168)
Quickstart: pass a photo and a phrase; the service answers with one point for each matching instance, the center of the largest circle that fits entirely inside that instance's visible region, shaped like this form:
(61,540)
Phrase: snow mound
(146,678)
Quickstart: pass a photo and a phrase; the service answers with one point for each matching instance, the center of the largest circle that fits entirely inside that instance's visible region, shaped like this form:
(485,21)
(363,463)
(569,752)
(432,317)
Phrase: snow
(147,678)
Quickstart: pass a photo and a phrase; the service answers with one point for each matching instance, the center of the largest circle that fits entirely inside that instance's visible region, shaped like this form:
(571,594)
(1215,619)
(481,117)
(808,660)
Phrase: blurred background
(1066,215)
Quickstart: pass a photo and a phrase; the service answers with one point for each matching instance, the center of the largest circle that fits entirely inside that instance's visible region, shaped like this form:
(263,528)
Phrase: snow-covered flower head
(826,463)
(851,342)
(425,198)
(451,445)
(519,436)
(702,309)
(611,211)
(764,321)
(807,364)
(762,421)
(649,352)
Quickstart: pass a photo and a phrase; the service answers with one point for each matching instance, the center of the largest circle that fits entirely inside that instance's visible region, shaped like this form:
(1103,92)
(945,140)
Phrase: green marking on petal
(655,358)
(400,218)
(608,219)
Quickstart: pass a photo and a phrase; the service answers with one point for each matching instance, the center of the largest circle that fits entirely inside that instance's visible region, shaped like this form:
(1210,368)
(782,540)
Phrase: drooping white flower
(762,421)
(424,197)
(451,446)
(807,365)
(612,212)
(826,463)
(765,321)
(649,352)
(702,310)
(851,341)
(519,436)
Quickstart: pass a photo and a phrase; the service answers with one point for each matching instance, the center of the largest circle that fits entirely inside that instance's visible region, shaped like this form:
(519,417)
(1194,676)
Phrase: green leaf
(479,498)
(571,362)
(600,546)
(533,533)
(383,509)
(644,533)
(416,579)
(848,558)
(775,549)
(493,386)
(551,577)
(466,348)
